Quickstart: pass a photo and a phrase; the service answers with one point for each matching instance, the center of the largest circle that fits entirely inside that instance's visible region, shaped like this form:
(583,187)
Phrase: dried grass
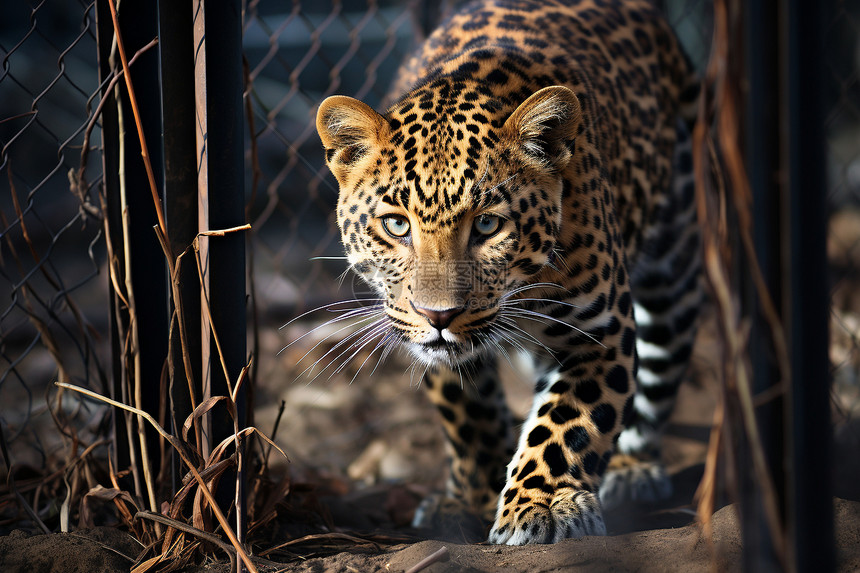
(170,541)
(723,194)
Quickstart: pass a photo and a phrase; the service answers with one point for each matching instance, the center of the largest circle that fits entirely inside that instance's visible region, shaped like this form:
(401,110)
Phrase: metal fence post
(811,503)
(761,142)
(138,21)
(176,48)
(220,141)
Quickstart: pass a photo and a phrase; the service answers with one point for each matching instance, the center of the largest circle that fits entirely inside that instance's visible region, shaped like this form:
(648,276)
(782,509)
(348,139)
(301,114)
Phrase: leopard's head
(450,205)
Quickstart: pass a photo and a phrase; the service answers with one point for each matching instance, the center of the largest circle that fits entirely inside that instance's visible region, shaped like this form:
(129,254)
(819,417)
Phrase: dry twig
(440,554)
(711,156)
(180,450)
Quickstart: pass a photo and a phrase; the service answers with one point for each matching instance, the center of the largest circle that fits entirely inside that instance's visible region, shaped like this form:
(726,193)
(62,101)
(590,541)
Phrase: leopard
(529,194)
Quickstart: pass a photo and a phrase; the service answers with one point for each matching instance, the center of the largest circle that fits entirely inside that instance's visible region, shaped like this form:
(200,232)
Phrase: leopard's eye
(488,225)
(395,225)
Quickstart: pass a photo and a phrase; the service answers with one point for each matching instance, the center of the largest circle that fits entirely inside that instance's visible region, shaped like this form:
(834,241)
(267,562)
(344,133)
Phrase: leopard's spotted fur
(531,190)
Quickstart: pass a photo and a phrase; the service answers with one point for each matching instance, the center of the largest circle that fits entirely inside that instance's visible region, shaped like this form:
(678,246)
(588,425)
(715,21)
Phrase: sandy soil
(679,549)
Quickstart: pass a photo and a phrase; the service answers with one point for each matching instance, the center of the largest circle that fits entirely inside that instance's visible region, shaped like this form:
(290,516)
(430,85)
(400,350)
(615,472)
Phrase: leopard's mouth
(438,353)
(443,351)
(439,343)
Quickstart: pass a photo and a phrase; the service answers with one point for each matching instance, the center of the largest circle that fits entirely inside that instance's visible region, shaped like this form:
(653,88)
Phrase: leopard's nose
(439,319)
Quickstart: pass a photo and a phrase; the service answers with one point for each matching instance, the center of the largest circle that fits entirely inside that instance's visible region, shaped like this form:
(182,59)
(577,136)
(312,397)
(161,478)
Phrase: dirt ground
(678,549)
(364,449)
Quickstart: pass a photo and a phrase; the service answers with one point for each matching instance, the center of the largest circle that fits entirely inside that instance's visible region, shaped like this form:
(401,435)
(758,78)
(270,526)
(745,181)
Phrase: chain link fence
(52,312)
(296,55)
(842,123)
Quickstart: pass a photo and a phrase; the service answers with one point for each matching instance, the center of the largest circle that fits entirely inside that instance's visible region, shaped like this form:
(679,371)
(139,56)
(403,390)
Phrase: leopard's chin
(444,352)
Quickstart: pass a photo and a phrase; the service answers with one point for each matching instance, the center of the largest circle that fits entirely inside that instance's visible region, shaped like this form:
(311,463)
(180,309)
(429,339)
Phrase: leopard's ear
(544,124)
(348,128)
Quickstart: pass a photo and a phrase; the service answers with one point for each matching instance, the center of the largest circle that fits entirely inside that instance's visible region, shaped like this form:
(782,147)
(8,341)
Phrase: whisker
(387,348)
(357,333)
(363,313)
(483,177)
(379,344)
(424,374)
(559,257)
(544,300)
(361,342)
(488,339)
(358,314)
(348,341)
(517,345)
(365,340)
(485,194)
(459,370)
(524,288)
(500,331)
(512,338)
(391,345)
(513,325)
(328,306)
(342,276)
(411,370)
(536,316)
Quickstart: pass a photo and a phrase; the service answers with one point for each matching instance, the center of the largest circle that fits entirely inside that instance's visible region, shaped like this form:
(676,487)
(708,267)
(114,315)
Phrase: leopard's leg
(480,442)
(667,295)
(579,409)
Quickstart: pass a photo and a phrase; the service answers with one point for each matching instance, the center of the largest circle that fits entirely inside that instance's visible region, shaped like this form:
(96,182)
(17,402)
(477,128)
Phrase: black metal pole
(218,35)
(762,122)
(139,25)
(811,506)
(226,143)
(176,48)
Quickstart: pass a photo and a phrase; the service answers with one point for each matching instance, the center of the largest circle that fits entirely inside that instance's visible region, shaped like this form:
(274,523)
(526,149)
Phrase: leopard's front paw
(571,513)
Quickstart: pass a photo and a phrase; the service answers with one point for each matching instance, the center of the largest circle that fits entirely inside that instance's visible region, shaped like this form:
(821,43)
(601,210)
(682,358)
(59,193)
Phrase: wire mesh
(842,127)
(296,56)
(51,302)
(842,124)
